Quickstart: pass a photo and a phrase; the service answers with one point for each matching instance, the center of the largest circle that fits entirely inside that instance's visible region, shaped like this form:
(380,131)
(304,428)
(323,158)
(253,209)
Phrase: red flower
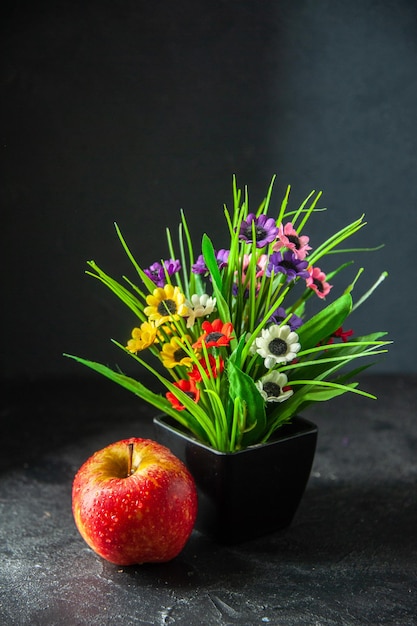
(213,368)
(188,387)
(216,334)
(339,333)
(343,334)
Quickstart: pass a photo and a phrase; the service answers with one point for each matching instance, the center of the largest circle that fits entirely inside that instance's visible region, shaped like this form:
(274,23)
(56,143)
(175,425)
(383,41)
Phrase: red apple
(134,502)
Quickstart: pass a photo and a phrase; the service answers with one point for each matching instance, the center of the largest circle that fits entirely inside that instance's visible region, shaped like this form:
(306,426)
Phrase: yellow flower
(142,337)
(165,331)
(174,353)
(165,304)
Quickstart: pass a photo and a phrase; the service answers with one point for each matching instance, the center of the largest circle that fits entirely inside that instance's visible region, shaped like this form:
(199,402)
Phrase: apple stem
(129,459)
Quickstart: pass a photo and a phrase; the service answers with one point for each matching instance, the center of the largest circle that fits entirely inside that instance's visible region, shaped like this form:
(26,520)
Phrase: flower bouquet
(236,352)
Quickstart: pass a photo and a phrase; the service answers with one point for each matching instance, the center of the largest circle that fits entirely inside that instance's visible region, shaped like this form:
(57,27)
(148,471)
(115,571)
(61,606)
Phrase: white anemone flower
(199,306)
(277,344)
(272,387)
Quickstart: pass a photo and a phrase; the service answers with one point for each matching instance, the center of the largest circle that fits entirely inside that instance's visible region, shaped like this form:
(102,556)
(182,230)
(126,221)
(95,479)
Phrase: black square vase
(243,495)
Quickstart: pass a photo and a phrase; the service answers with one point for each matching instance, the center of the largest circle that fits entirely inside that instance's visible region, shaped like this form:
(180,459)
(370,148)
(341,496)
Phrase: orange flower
(213,368)
(188,387)
(215,334)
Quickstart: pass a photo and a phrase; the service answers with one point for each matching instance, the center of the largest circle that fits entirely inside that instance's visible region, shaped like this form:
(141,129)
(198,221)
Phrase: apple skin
(145,517)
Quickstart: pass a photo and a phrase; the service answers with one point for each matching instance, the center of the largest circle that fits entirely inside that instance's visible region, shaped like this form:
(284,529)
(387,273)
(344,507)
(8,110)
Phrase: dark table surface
(349,557)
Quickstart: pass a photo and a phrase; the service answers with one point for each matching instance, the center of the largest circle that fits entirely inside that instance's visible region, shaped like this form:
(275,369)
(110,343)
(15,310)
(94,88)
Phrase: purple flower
(222,257)
(235,291)
(199,267)
(156,271)
(288,264)
(280,314)
(172,266)
(265,229)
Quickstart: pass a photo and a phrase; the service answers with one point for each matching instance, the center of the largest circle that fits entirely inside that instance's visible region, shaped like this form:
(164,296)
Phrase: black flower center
(179,355)
(191,394)
(318,284)
(288,265)
(167,307)
(295,240)
(277,347)
(260,233)
(214,336)
(271,389)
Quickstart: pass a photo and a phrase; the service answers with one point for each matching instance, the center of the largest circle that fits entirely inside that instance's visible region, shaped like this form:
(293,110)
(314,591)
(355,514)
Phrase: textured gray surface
(350,556)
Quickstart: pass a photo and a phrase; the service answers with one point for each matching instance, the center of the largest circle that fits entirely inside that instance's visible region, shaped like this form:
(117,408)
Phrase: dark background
(128,111)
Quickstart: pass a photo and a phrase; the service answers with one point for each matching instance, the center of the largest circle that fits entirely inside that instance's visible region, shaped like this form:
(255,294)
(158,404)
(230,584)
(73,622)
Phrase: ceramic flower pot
(249,493)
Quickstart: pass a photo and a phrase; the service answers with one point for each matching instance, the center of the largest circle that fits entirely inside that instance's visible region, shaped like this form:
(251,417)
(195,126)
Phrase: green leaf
(125,381)
(332,357)
(321,394)
(241,386)
(147,281)
(310,391)
(119,290)
(370,291)
(156,400)
(325,323)
(211,262)
(236,355)
(333,241)
(213,268)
